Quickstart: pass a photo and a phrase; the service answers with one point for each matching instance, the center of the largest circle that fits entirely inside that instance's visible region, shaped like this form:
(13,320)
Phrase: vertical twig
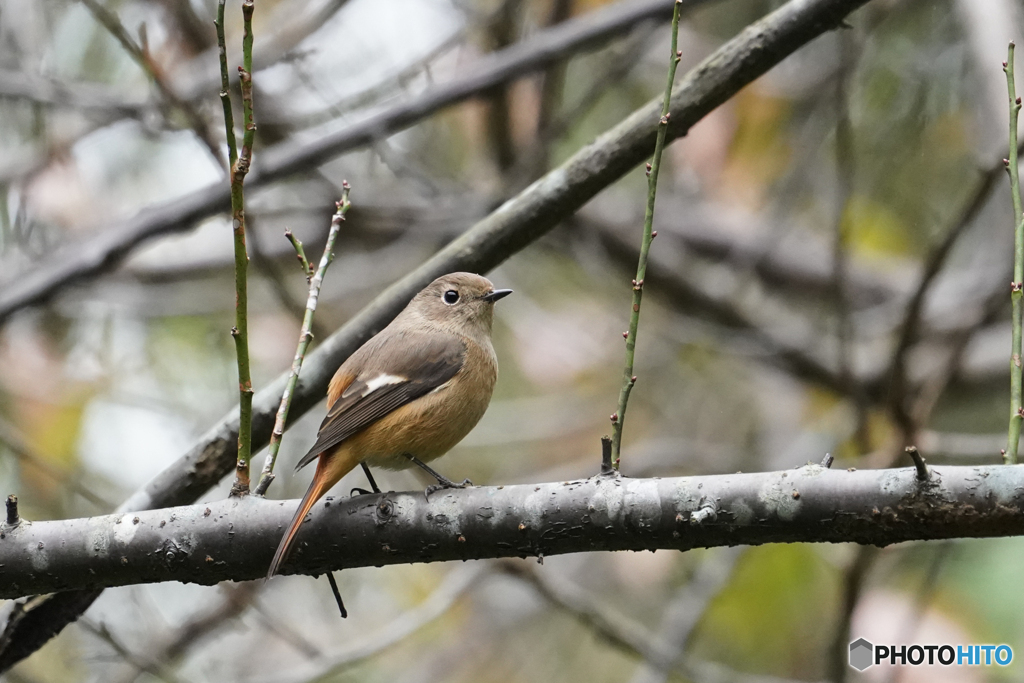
(653,168)
(305,335)
(241,329)
(13,518)
(922,468)
(225,86)
(1016,411)
(606,455)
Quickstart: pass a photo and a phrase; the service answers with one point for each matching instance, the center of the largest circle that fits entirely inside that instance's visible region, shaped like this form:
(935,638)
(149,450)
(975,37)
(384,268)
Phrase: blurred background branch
(550,46)
(140,54)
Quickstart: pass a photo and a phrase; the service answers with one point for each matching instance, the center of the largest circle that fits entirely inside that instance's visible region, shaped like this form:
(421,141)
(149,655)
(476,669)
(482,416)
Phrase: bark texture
(234,539)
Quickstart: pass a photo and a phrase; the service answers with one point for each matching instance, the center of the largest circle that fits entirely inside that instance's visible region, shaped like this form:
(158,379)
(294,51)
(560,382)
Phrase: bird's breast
(431,425)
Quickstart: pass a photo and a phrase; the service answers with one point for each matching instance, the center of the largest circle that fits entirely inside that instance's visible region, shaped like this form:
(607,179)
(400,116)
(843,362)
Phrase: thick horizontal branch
(234,539)
(83,260)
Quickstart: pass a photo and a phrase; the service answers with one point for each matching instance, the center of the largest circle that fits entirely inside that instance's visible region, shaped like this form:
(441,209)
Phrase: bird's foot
(445,483)
(360,492)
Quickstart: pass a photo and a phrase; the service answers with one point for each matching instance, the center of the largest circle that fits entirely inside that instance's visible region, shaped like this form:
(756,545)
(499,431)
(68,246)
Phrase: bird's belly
(426,428)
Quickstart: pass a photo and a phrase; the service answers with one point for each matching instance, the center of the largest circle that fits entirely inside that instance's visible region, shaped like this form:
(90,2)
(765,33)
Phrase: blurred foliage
(769,618)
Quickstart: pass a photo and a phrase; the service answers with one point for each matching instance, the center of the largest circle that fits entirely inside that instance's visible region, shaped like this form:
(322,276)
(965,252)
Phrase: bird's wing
(397,370)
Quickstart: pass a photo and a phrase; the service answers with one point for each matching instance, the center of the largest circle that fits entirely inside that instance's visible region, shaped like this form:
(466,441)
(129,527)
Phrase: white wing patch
(440,387)
(382,381)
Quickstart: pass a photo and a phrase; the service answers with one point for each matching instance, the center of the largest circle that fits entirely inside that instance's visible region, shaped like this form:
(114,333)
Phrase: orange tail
(329,470)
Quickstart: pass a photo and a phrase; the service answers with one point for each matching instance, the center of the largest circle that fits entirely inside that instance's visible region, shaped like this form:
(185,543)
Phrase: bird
(409,394)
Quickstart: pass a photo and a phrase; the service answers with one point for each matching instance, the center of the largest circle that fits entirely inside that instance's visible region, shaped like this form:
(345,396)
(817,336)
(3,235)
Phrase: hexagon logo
(861,654)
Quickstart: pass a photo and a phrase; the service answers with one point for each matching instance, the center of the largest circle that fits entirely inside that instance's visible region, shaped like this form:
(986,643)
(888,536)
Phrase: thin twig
(899,388)
(606,455)
(197,630)
(241,330)
(225,86)
(1016,411)
(686,293)
(456,584)
(385,89)
(154,669)
(140,54)
(268,268)
(271,620)
(300,253)
(653,169)
(94,98)
(915,455)
(619,629)
(305,335)
(81,261)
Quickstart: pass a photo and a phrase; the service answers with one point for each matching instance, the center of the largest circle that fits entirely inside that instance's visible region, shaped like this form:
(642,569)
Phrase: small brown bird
(410,393)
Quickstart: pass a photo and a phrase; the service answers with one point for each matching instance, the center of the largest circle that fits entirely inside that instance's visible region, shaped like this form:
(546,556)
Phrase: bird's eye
(451,297)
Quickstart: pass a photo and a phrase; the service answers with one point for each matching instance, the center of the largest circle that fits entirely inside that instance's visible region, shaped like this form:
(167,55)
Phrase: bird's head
(459,302)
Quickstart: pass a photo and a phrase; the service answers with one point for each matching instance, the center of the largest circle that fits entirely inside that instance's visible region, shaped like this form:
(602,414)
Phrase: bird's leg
(443,482)
(337,595)
(369,478)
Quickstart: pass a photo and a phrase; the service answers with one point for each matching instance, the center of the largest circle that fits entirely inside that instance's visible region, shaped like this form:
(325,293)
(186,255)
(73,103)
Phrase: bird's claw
(360,492)
(446,484)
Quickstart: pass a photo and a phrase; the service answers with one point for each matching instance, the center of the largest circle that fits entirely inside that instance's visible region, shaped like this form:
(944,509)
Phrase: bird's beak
(496,294)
